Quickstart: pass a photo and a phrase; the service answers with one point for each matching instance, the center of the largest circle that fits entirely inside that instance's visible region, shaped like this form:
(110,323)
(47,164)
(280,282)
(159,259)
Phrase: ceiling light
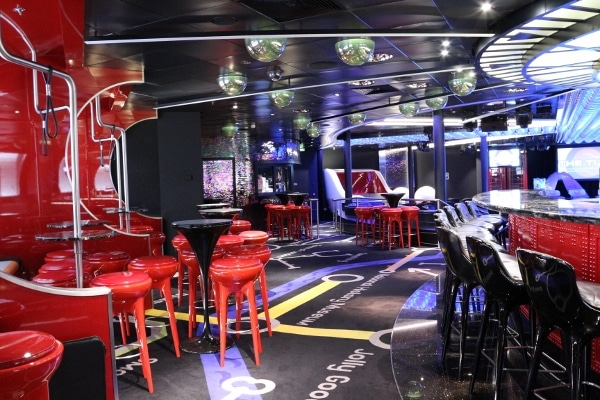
(445,52)
(232,83)
(301,120)
(229,129)
(313,130)
(282,98)
(486,6)
(409,109)
(365,82)
(265,49)
(446,43)
(380,57)
(416,85)
(357,118)
(436,103)
(355,51)
(462,83)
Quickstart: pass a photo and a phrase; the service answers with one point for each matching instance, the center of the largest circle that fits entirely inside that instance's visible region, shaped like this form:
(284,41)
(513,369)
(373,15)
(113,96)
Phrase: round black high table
(202,235)
(393,198)
(297,198)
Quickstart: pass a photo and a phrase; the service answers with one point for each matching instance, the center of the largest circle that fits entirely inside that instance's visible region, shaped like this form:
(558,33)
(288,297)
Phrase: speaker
(494,123)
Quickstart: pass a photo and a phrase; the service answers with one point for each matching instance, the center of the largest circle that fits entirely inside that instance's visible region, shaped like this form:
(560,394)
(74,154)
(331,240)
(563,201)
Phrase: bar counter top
(530,203)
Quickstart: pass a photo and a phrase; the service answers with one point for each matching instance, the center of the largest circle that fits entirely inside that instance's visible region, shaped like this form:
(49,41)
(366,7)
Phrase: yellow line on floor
(300,299)
(322,332)
(404,260)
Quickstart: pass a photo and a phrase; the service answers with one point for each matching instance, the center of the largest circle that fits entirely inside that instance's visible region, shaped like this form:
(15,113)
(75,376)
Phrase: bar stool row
(385,225)
(542,286)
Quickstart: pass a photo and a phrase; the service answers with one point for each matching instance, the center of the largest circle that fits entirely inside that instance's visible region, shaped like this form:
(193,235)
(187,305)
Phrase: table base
(204,345)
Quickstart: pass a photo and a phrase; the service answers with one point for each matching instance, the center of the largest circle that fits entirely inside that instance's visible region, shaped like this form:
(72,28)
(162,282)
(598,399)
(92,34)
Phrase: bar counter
(568,229)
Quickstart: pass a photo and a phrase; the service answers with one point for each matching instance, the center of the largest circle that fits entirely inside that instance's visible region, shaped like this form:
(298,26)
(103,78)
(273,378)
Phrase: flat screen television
(504,157)
(580,162)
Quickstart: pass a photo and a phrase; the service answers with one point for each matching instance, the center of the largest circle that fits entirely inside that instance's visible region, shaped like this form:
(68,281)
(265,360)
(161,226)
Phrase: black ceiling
(141,35)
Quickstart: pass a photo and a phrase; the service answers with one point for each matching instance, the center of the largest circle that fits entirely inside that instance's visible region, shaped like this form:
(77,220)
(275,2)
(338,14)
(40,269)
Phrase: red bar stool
(61,278)
(271,217)
(157,239)
(302,222)
(364,219)
(263,254)
(239,225)
(233,276)
(284,217)
(392,219)
(228,241)
(161,269)
(128,291)
(410,214)
(61,255)
(253,237)
(28,359)
(67,264)
(179,242)
(378,223)
(108,261)
(188,257)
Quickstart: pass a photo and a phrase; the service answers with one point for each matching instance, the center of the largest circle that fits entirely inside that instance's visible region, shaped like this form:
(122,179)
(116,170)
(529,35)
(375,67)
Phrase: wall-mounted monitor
(504,157)
(579,162)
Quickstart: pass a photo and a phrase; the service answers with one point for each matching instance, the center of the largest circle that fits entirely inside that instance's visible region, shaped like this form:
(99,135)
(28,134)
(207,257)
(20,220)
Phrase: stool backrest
(490,269)
(455,255)
(452,216)
(463,212)
(441,219)
(551,284)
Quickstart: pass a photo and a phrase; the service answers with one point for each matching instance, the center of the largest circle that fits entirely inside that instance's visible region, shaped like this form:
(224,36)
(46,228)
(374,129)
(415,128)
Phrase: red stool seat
(61,255)
(108,261)
(263,254)
(236,276)
(66,278)
(128,290)
(27,361)
(161,269)
(254,237)
(67,264)
(239,225)
(229,241)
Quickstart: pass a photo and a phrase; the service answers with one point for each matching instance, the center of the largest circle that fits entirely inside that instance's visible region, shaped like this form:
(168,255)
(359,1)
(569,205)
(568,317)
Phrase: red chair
(104,262)
(271,217)
(28,359)
(364,222)
(263,254)
(410,214)
(392,220)
(61,278)
(161,269)
(254,237)
(239,225)
(233,276)
(128,291)
(188,257)
(61,255)
(228,241)
(179,242)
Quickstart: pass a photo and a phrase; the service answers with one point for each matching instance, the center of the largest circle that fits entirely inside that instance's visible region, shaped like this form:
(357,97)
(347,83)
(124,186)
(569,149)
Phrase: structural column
(439,155)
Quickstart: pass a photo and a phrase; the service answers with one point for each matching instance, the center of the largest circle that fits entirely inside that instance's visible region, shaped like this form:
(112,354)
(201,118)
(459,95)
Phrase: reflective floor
(416,355)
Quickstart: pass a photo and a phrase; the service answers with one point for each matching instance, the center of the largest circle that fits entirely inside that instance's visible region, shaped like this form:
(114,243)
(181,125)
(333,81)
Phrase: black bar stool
(560,301)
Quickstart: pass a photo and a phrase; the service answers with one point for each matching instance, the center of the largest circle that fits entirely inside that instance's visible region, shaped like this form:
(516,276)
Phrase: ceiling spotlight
(232,83)
(436,103)
(462,83)
(313,130)
(355,51)
(265,49)
(282,98)
(364,82)
(302,120)
(274,72)
(409,109)
(357,118)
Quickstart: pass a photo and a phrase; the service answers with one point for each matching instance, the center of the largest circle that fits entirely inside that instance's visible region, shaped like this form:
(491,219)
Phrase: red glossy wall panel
(67,314)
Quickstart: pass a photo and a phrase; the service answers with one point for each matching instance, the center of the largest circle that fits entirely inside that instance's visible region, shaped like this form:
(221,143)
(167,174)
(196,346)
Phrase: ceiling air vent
(290,10)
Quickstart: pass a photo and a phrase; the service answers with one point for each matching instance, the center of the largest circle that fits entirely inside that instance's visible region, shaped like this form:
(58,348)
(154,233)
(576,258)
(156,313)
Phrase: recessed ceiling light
(445,52)
(486,6)
(416,85)
(446,43)
(380,57)
(518,89)
(366,82)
